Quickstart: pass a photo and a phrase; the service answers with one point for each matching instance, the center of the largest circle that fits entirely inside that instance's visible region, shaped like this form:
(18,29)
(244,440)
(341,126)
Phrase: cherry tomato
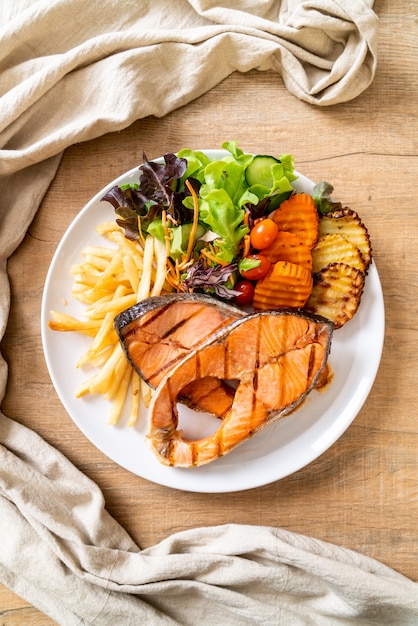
(246,290)
(263,234)
(255,273)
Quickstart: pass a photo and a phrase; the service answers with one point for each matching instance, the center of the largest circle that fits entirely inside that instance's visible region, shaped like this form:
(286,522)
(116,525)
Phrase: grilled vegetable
(347,223)
(336,248)
(336,293)
(288,247)
(298,215)
(286,285)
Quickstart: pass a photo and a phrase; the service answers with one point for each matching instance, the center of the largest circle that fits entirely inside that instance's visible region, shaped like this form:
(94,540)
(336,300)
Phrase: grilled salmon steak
(158,332)
(274,356)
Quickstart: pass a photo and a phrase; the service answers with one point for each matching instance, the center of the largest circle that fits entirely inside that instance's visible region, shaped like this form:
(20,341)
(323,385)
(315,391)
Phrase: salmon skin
(159,331)
(275,358)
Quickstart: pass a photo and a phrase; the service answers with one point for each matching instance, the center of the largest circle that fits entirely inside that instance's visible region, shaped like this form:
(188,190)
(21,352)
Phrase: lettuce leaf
(218,212)
(322,198)
(155,192)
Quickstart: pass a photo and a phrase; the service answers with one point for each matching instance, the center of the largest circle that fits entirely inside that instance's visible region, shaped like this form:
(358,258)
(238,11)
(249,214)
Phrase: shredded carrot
(177,269)
(166,232)
(171,276)
(194,226)
(213,258)
(141,234)
(203,258)
(247,246)
(175,283)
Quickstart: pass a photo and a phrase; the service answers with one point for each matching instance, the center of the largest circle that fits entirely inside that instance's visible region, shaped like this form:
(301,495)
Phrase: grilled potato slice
(336,293)
(347,223)
(336,249)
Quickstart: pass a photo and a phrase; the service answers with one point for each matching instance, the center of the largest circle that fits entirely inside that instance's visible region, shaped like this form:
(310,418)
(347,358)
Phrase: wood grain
(363,492)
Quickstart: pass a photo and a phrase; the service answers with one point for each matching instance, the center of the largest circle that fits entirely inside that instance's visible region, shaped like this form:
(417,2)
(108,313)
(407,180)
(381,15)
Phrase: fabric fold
(100,75)
(70,547)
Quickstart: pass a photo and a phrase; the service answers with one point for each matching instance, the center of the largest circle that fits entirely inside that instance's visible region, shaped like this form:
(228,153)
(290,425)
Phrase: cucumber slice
(259,171)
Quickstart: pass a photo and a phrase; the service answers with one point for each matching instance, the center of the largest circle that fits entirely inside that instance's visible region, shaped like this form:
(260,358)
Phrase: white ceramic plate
(275,452)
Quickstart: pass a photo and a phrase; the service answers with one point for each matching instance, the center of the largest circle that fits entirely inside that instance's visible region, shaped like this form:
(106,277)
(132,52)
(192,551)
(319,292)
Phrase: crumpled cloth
(71,71)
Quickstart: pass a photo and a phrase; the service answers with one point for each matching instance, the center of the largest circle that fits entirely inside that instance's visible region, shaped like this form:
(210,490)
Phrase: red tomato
(263,234)
(255,273)
(246,290)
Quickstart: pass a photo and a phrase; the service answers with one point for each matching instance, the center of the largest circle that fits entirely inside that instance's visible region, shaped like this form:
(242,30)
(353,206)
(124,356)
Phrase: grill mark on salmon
(255,379)
(276,357)
(158,332)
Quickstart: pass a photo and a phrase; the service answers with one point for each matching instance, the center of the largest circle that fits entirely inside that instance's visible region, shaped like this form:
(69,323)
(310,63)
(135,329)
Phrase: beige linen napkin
(70,71)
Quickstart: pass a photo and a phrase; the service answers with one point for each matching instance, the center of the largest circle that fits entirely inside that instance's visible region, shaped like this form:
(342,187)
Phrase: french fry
(146,392)
(67,323)
(105,228)
(161,256)
(106,335)
(86,273)
(132,273)
(107,297)
(100,382)
(118,374)
(100,252)
(145,282)
(113,306)
(119,399)
(100,359)
(132,249)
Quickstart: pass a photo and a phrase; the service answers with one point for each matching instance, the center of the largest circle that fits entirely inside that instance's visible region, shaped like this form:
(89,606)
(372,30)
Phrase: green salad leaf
(219,213)
(322,198)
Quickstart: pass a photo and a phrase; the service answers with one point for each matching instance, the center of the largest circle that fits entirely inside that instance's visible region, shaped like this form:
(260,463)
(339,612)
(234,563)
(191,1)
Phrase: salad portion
(210,215)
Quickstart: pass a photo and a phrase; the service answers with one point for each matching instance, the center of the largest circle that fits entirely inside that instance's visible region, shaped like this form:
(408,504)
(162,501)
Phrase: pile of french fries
(109,280)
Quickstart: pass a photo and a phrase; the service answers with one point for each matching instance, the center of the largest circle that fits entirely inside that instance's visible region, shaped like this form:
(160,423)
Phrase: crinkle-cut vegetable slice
(298,215)
(289,247)
(336,249)
(347,223)
(286,285)
(336,293)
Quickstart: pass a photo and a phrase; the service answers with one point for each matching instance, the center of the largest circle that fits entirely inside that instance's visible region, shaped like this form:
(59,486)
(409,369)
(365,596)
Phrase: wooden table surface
(363,492)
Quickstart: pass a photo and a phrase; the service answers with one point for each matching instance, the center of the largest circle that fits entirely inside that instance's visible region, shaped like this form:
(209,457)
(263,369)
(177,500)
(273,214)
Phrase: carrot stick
(141,234)
(194,226)
(205,252)
(247,246)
